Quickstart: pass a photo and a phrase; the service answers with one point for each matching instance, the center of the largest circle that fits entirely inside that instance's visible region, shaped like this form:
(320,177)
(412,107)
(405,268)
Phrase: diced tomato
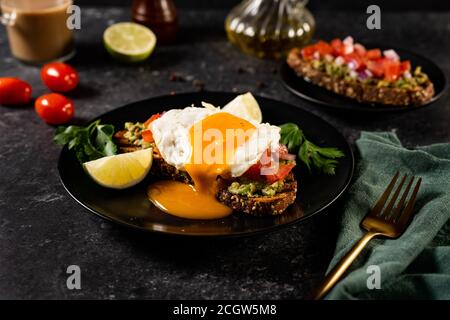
(356,59)
(282,173)
(254,172)
(373,54)
(323,48)
(376,67)
(151,119)
(405,66)
(308,52)
(147,135)
(338,47)
(391,70)
(360,50)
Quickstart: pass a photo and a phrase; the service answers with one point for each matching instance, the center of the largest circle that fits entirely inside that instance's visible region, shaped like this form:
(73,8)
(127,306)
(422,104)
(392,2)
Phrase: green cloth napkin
(416,265)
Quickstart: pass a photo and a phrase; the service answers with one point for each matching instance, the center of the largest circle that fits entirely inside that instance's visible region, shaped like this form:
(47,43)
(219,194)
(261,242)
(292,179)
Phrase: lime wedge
(120,171)
(244,106)
(129,42)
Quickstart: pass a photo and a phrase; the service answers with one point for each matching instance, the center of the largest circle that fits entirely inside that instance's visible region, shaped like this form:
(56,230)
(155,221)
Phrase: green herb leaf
(313,156)
(89,143)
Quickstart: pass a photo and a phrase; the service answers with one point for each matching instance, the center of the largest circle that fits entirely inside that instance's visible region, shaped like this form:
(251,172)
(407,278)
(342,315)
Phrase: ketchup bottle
(159,15)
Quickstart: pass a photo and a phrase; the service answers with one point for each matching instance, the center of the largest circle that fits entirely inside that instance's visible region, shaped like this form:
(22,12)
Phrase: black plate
(306,90)
(131,207)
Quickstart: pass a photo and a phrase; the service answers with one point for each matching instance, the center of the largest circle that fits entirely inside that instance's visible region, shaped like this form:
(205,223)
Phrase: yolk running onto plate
(214,141)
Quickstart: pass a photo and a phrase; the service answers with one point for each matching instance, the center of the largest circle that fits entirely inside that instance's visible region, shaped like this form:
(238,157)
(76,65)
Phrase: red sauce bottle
(158,15)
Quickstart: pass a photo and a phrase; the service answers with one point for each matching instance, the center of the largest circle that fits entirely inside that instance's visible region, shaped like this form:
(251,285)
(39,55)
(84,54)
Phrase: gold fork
(390,222)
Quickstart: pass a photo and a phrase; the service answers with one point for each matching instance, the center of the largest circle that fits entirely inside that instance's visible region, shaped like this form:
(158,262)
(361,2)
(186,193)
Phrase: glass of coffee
(37,29)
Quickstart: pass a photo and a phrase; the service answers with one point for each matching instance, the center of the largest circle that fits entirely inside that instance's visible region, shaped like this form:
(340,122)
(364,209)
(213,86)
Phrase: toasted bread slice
(359,90)
(261,205)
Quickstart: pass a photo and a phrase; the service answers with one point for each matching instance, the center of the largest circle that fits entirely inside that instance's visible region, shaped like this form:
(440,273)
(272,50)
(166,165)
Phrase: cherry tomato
(14,91)
(54,108)
(59,77)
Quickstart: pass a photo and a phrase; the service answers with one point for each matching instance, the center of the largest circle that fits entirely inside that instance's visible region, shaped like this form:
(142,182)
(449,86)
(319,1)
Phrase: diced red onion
(368,73)
(316,55)
(391,55)
(362,75)
(407,75)
(353,73)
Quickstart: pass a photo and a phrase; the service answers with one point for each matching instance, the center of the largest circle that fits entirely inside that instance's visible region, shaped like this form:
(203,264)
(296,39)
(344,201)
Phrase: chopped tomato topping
(360,50)
(405,66)
(356,59)
(282,173)
(323,48)
(373,54)
(254,172)
(391,70)
(376,67)
(308,52)
(338,47)
(147,135)
(151,119)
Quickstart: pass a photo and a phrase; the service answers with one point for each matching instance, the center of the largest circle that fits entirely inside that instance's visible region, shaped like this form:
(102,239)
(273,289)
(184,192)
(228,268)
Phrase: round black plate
(131,207)
(306,90)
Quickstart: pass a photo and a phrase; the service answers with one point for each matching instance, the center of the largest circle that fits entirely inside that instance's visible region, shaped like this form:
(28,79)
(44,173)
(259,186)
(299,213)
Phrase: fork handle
(334,275)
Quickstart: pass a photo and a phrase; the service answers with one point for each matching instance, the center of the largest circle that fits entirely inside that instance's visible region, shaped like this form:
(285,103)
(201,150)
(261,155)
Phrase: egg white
(171,134)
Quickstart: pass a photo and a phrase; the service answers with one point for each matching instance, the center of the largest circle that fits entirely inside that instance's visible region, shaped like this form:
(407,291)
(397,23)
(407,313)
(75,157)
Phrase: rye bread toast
(359,90)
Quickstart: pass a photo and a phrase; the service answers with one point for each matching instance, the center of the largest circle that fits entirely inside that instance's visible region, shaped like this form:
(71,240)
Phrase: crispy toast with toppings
(366,75)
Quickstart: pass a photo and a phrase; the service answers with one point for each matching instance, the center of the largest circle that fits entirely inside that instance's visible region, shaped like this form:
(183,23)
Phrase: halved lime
(129,42)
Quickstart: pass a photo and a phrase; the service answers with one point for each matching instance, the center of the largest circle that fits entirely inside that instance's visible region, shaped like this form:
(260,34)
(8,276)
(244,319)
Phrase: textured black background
(43,230)
(400,5)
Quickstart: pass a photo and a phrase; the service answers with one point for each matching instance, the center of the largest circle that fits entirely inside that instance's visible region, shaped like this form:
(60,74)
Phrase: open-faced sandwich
(206,161)
(366,75)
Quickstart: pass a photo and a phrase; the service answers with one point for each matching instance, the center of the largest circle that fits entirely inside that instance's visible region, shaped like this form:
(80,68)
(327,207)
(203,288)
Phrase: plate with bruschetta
(345,74)
(205,164)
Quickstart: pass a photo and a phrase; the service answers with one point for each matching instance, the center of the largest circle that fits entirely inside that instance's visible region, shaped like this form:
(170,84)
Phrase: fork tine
(399,208)
(406,214)
(387,211)
(382,200)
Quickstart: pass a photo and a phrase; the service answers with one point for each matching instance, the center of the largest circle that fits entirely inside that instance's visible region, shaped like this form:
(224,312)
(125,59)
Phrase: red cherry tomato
(54,108)
(14,91)
(59,77)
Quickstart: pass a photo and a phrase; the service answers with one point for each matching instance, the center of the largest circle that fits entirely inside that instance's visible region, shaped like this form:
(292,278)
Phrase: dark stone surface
(42,230)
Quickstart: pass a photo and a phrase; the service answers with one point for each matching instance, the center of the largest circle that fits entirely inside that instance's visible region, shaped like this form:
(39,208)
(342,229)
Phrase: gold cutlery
(383,220)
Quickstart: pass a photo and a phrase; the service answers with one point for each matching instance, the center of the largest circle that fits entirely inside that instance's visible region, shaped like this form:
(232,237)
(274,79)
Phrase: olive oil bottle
(269,28)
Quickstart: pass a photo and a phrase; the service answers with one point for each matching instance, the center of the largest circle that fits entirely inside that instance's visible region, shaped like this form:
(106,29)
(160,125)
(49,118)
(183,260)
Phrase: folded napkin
(416,265)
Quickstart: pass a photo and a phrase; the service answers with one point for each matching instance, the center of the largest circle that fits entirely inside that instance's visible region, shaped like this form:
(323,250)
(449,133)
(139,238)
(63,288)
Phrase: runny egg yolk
(214,141)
